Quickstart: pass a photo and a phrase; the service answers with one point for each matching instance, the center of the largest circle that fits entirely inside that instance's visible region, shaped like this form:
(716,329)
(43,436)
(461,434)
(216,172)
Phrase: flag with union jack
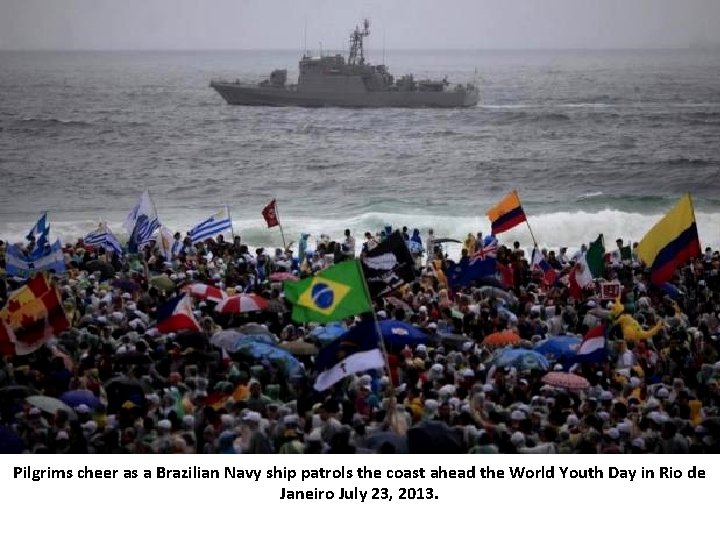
(482,263)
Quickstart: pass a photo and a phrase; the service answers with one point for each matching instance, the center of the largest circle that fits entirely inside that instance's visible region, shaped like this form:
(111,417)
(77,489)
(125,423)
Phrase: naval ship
(330,81)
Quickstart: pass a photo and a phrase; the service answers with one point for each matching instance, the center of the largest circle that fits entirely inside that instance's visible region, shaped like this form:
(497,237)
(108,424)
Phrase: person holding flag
(141,223)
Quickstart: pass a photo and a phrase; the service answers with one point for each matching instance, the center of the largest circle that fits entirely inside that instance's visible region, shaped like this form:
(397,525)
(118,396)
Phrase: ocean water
(595,142)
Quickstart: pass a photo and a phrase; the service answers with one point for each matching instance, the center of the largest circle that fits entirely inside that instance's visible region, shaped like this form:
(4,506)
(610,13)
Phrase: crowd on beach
(118,385)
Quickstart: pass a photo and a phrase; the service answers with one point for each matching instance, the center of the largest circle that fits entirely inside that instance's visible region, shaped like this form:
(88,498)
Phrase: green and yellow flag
(331,295)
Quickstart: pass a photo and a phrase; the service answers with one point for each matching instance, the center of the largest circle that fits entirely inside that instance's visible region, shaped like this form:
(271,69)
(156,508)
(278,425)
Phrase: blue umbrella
(560,347)
(520,359)
(399,333)
(80,397)
(329,332)
(266,351)
(10,442)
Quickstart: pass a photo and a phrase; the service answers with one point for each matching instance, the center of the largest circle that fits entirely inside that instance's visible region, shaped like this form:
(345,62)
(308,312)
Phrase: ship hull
(240,94)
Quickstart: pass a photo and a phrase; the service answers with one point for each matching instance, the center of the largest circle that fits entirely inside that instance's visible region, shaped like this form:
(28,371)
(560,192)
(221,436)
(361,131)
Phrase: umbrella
(10,442)
(387,440)
(162,282)
(299,347)
(255,329)
(496,292)
(73,398)
(569,381)
(242,303)
(265,351)
(225,339)
(122,389)
(15,391)
(283,276)
(446,240)
(500,339)
(560,347)
(399,333)
(327,333)
(196,340)
(454,341)
(205,292)
(520,359)
(433,437)
(50,405)
(106,269)
(126,285)
(247,340)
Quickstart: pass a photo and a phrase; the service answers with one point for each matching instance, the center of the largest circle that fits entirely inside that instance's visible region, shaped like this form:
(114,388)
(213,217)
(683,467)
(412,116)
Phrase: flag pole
(527,221)
(232,229)
(381,342)
(277,214)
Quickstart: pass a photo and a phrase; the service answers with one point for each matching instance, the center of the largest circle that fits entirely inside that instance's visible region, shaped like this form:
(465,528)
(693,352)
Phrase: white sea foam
(551,230)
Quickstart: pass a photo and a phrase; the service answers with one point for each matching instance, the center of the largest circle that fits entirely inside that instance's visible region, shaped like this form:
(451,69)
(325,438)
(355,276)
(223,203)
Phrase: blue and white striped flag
(40,232)
(104,237)
(141,223)
(19,264)
(212,226)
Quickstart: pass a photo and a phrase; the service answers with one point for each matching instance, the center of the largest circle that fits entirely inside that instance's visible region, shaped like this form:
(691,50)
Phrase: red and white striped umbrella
(568,381)
(242,303)
(205,292)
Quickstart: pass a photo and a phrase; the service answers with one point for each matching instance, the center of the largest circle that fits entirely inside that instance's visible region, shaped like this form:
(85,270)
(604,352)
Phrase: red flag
(507,276)
(270,214)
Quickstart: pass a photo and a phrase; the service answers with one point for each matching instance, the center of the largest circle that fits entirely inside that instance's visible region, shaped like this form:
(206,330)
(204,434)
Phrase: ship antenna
(305,38)
(383,46)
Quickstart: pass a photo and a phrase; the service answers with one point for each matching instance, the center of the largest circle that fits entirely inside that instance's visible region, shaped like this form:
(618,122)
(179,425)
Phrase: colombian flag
(507,214)
(331,295)
(672,241)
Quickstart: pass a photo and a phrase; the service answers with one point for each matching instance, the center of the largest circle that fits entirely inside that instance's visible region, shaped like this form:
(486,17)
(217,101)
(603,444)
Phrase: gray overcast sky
(407,24)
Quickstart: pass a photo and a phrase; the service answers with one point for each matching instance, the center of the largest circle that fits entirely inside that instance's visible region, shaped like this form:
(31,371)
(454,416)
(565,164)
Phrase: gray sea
(595,142)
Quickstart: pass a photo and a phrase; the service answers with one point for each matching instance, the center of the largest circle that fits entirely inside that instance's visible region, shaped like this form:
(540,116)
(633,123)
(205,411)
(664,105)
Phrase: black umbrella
(106,269)
(194,340)
(10,442)
(387,442)
(454,341)
(16,391)
(447,240)
(121,390)
(434,437)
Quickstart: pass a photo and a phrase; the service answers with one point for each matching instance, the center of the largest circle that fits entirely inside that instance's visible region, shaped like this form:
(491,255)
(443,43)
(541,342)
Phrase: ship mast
(357,55)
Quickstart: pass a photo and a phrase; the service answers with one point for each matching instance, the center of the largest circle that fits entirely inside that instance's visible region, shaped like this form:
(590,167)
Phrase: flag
(176,315)
(580,276)
(212,226)
(270,214)
(32,316)
(355,351)
(596,257)
(480,264)
(165,240)
(40,233)
(103,237)
(141,223)
(671,242)
(592,348)
(19,264)
(539,263)
(388,266)
(331,295)
(507,214)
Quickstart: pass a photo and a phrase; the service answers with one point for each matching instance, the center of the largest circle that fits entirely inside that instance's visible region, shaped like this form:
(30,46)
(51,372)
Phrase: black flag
(388,266)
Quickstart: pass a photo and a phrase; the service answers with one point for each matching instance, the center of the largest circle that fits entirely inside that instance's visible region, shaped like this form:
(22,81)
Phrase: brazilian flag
(331,295)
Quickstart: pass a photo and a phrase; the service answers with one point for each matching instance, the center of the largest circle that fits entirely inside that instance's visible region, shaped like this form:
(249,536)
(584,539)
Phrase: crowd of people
(120,386)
